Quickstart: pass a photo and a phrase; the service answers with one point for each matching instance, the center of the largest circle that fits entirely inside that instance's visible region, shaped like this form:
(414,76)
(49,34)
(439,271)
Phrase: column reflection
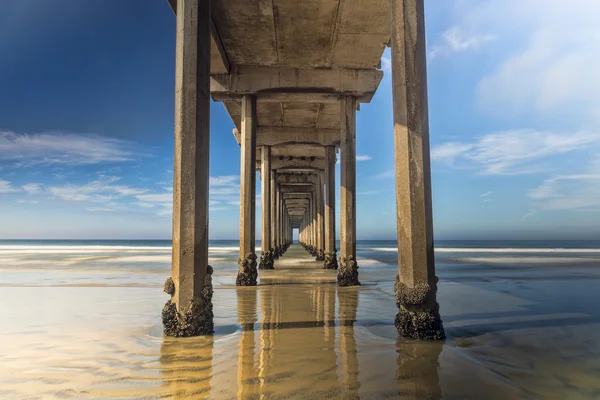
(186,367)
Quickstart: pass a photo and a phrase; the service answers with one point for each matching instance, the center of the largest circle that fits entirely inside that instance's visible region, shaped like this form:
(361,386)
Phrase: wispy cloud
(567,192)
(486,194)
(7,187)
(32,188)
(100,190)
(61,148)
(458,39)
(512,152)
(390,173)
(364,157)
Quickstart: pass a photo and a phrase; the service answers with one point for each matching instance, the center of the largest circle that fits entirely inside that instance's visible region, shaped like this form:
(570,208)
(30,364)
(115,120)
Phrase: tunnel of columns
(292,76)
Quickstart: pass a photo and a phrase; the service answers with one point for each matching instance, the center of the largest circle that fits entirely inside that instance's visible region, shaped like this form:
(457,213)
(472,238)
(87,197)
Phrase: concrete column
(189,311)
(348,268)
(330,251)
(266,256)
(273,207)
(416,283)
(276,232)
(247,273)
(320,218)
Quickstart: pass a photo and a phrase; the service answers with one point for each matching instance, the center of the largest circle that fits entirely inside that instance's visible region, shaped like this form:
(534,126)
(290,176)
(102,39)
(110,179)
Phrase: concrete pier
(189,310)
(292,76)
(348,267)
(330,261)
(266,253)
(416,283)
(247,261)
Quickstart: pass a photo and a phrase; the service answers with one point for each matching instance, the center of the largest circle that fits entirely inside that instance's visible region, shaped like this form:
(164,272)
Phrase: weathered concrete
(418,316)
(320,219)
(189,311)
(273,208)
(290,75)
(247,260)
(348,268)
(330,261)
(266,253)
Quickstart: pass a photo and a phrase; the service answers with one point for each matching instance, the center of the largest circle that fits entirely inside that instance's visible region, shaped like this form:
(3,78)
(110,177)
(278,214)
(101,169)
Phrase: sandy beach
(76,325)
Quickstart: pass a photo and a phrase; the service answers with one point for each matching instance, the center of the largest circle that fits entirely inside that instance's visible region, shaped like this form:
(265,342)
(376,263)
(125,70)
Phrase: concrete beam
(297,179)
(297,195)
(285,135)
(219,62)
(359,83)
(297,163)
(285,97)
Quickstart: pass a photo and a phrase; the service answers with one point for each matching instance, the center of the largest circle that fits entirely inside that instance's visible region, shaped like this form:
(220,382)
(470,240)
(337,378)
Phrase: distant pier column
(189,311)
(330,251)
(313,222)
(416,284)
(273,208)
(276,223)
(348,268)
(247,273)
(320,219)
(266,255)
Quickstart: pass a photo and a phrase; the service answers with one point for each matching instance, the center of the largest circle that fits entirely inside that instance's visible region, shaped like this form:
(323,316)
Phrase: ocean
(81,319)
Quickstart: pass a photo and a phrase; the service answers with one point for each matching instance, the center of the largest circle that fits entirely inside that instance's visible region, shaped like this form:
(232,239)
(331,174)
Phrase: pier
(292,76)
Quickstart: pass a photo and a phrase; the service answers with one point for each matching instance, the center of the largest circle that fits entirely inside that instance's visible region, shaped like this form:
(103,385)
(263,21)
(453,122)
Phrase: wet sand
(296,336)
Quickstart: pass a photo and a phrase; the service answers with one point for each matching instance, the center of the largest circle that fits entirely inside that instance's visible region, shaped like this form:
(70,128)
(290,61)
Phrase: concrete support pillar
(247,273)
(266,255)
(416,283)
(348,268)
(330,250)
(320,218)
(276,232)
(189,311)
(273,207)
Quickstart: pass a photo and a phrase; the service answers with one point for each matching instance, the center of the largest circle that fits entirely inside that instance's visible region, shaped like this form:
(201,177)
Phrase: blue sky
(86,123)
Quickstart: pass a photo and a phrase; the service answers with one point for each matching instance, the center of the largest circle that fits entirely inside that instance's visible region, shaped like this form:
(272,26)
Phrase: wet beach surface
(85,323)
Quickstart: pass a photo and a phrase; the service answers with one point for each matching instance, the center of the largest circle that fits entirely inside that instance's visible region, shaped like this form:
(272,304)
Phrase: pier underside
(292,76)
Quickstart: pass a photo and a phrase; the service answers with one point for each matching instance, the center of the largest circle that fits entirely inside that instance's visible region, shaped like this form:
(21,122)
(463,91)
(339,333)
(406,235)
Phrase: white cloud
(7,187)
(486,194)
(386,63)
(32,188)
(568,192)
(544,59)
(458,39)
(512,152)
(486,200)
(62,148)
(100,190)
(364,157)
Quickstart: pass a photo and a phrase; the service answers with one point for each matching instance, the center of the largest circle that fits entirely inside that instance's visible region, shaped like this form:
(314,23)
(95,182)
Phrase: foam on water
(490,250)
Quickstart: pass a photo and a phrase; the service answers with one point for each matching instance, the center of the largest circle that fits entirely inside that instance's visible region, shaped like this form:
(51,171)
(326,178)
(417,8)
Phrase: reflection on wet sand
(186,367)
(291,343)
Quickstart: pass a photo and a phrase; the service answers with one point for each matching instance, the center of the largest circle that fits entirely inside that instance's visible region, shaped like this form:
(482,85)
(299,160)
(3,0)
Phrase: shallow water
(81,321)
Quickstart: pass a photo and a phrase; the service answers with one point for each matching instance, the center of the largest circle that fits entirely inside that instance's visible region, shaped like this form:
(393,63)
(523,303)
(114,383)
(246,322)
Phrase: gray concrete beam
(360,83)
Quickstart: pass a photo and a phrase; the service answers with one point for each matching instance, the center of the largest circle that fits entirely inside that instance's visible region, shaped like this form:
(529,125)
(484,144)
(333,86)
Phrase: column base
(197,320)
(348,272)
(247,274)
(276,252)
(267,260)
(418,316)
(330,261)
(320,255)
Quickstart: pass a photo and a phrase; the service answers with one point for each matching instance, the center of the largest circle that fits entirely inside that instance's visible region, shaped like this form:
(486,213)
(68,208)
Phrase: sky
(86,124)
